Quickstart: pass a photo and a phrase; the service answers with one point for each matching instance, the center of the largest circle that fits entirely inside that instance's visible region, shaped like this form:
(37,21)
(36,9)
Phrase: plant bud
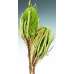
(41,43)
(29,22)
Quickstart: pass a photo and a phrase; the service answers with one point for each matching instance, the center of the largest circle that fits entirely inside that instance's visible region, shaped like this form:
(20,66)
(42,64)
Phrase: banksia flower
(41,42)
(38,39)
(29,21)
(40,45)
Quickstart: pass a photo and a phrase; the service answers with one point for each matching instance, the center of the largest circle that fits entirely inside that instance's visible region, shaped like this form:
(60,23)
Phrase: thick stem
(32,70)
(31,67)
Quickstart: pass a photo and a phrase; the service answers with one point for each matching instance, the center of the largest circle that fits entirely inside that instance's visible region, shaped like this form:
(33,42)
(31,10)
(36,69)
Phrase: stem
(31,67)
(32,70)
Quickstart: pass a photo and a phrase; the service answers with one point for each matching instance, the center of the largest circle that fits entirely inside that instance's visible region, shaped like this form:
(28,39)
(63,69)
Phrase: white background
(60,62)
